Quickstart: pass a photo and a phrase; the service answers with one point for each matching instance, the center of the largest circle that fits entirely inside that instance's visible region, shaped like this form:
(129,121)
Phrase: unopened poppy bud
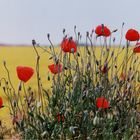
(110,116)
(78,54)
(96,120)
(71,129)
(78,33)
(70,38)
(33,42)
(64,31)
(48,78)
(4,89)
(97,62)
(72,50)
(114,30)
(112,53)
(20,87)
(50,58)
(4,63)
(114,39)
(65,68)
(48,35)
(87,33)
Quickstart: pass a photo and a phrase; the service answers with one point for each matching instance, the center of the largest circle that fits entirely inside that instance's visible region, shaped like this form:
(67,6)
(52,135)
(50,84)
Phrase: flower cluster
(90,96)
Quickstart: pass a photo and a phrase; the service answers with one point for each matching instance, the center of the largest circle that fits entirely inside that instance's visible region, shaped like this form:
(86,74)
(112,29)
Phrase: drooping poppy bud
(102,30)
(137,48)
(24,73)
(55,68)
(132,35)
(60,117)
(102,102)
(69,45)
(1,102)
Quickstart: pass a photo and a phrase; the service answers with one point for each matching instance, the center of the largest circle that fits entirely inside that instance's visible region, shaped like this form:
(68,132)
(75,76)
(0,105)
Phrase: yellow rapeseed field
(26,56)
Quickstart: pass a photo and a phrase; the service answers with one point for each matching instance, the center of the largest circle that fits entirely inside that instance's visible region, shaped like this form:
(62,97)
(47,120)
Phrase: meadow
(25,56)
(71,91)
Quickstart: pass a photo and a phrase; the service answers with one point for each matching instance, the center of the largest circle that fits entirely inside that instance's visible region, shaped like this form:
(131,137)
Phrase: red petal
(1,102)
(102,31)
(101,102)
(55,68)
(132,35)
(136,50)
(68,45)
(24,73)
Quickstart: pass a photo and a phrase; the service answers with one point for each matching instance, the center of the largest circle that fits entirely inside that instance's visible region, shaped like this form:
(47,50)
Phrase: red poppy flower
(137,48)
(104,70)
(68,45)
(60,117)
(24,73)
(132,35)
(1,102)
(102,102)
(102,31)
(123,76)
(55,68)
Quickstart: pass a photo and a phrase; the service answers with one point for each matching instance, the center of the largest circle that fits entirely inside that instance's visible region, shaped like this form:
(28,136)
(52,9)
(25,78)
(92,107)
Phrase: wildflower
(123,76)
(55,68)
(137,48)
(69,45)
(60,117)
(104,70)
(132,35)
(24,73)
(1,102)
(102,30)
(102,102)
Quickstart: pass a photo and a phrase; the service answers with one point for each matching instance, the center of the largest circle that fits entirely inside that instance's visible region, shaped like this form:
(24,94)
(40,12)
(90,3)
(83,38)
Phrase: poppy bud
(33,42)
(96,120)
(64,31)
(48,35)
(48,78)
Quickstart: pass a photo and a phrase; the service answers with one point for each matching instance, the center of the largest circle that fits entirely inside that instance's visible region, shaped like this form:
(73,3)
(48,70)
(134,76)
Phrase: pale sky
(23,20)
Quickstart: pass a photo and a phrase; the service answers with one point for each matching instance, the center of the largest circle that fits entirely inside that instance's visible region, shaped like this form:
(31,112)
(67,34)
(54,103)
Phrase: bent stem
(38,75)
